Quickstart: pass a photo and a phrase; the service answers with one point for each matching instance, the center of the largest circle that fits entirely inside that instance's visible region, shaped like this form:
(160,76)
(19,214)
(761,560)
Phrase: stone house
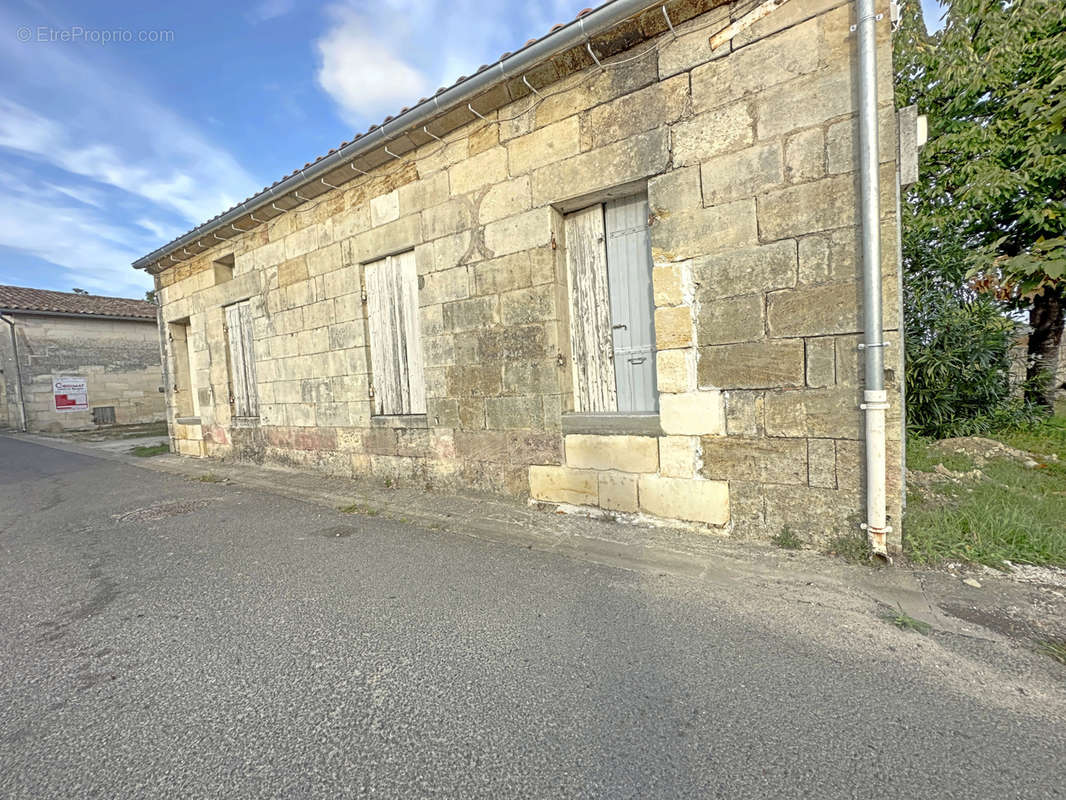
(74,361)
(625,276)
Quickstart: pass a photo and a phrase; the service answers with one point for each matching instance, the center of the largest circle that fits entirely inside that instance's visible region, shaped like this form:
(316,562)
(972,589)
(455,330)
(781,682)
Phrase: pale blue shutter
(632,320)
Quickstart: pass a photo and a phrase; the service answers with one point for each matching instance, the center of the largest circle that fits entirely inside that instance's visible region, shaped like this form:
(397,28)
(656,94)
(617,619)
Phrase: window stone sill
(612,424)
(409,421)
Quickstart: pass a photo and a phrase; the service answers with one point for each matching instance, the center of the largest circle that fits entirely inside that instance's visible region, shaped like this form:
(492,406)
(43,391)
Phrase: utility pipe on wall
(874,396)
(18,373)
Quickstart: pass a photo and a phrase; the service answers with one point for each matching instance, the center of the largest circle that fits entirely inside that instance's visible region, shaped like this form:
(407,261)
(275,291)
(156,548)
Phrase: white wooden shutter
(590,319)
(395,340)
(251,389)
(407,300)
(242,360)
(632,301)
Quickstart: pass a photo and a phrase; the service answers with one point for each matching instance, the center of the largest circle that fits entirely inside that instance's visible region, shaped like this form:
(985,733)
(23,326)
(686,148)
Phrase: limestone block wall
(746,155)
(119,359)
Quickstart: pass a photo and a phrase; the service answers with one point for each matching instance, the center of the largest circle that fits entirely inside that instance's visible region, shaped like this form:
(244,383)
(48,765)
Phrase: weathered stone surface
(676,190)
(524,306)
(483,138)
(634,113)
(692,414)
(804,102)
(805,156)
(502,274)
(757,67)
(679,456)
(618,491)
(704,231)
(729,320)
(513,413)
(745,271)
(676,370)
(814,206)
(822,463)
(505,200)
(473,380)
(620,453)
(754,459)
(481,445)
(821,413)
(743,413)
(668,285)
(690,48)
(754,365)
(707,135)
(673,327)
(524,447)
(821,361)
(532,377)
(446,218)
(422,194)
(385,208)
(677,498)
(836,255)
(840,139)
(564,485)
(520,232)
(813,310)
(292,271)
(445,286)
(544,146)
(472,173)
(744,173)
(612,165)
(465,315)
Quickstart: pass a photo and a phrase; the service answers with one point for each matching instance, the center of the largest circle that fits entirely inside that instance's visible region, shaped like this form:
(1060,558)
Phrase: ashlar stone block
(678,498)
(619,453)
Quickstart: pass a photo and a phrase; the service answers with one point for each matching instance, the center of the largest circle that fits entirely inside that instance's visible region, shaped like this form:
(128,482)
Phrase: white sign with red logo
(71,394)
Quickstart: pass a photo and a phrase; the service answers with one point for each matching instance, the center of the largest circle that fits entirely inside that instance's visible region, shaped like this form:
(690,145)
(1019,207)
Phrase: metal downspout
(18,373)
(874,396)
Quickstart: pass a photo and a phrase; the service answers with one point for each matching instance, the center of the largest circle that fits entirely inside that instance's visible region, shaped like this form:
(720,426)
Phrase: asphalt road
(166,638)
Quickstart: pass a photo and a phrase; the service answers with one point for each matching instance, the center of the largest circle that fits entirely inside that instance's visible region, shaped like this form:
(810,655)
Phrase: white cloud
(91,252)
(363,72)
(101,172)
(182,171)
(271,9)
(380,55)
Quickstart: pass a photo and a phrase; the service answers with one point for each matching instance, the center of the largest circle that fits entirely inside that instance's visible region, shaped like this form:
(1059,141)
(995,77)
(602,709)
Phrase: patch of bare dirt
(981,451)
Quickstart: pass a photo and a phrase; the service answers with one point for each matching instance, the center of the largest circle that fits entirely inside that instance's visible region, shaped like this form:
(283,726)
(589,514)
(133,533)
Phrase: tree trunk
(1045,318)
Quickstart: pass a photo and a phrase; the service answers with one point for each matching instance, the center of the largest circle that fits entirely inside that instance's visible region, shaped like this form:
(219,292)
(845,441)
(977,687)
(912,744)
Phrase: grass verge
(1015,514)
(905,622)
(358,508)
(151,450)
(787,540)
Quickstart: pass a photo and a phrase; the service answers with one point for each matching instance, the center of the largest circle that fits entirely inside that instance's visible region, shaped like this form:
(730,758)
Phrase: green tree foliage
(984,227)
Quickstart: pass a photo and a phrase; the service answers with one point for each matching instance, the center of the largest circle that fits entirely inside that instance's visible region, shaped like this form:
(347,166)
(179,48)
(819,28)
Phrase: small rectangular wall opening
(223,269)
(186,403)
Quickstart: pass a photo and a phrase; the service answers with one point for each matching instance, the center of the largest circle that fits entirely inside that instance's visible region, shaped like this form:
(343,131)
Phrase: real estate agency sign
(71,394)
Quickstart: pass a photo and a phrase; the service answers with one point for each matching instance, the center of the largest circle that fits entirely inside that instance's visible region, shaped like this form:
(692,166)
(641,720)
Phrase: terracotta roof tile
(20,298)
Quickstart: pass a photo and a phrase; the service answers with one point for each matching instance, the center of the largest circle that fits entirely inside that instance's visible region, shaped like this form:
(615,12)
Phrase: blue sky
(109,149)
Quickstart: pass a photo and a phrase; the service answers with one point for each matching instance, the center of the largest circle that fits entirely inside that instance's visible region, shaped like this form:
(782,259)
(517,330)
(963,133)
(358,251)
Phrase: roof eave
(558,41)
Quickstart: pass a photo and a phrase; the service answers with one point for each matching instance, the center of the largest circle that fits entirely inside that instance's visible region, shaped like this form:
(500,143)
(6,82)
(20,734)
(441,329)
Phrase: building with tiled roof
(73,361)
(628,266)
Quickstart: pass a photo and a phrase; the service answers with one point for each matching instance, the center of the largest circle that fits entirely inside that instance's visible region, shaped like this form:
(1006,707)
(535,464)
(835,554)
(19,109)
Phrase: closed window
(395,340)
(612,322)
(244,395)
